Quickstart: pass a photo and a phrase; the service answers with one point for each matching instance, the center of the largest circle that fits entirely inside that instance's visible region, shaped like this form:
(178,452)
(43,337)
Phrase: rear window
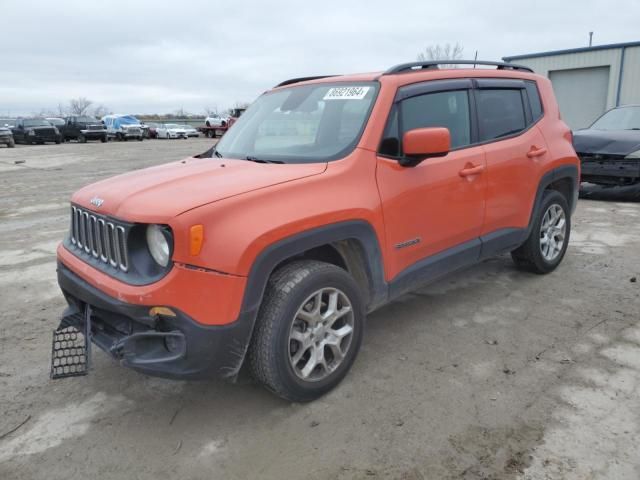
(500,113)
(534,100)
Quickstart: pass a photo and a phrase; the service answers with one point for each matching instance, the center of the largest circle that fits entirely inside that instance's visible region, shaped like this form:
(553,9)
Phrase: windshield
(172,125)
(624,118)
(128,121)
(305,124)
(36,123)
(86,120)
(55,121)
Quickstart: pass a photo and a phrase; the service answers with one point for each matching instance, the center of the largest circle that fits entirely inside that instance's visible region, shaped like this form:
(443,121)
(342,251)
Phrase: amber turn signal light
(165,311)
(196,237)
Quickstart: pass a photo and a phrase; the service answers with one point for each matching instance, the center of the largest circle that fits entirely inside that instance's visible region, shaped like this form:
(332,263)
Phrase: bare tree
(62,110)
(79,106)
(209,111)
(445,51)
(100,111)
(181,113)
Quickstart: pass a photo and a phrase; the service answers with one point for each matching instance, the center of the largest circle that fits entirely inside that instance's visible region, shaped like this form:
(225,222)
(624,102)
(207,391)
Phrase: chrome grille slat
(94,235)
(86,233)
(102,242)
(121,241)
(101,238)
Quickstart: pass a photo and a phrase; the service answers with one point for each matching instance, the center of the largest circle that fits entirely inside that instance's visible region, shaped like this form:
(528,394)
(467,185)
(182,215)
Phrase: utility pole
(590,39)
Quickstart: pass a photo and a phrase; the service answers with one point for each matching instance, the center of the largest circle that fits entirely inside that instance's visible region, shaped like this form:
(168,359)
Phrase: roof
(404,74)
(609,46)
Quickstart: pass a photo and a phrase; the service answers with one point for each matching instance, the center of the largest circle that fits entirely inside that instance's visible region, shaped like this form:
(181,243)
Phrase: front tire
(11,143)
(547,243)
(308,332)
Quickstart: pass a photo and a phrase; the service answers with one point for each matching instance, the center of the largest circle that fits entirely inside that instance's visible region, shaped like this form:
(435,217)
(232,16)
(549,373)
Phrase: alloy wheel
(321,334)
(553,231)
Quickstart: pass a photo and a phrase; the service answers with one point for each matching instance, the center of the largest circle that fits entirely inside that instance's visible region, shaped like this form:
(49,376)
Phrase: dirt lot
(491,374)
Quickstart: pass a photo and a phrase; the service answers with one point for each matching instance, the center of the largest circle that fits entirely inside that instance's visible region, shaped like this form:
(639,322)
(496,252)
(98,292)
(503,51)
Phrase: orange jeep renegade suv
(330,197)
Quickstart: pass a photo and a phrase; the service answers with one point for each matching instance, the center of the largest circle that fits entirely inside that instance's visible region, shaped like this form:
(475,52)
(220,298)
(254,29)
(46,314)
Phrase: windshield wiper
(217,153)
(260,160)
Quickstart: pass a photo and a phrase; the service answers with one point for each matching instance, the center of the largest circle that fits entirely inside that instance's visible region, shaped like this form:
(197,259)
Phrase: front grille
(95,127)
(100,237)
(133,131)
(45,131)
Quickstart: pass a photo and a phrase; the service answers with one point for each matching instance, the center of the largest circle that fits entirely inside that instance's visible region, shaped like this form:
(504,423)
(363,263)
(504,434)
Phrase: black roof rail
(434,64)
(302,79)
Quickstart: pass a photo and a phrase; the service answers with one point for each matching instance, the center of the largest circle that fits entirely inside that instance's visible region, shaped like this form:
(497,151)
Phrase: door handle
(473,170)
(536,152)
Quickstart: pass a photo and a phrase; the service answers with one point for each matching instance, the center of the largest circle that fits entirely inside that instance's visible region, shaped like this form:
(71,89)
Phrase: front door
(436,207)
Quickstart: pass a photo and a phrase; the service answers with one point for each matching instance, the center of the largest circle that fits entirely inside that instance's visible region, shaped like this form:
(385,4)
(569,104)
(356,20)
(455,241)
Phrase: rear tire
(293,336)
(547,244)
(12,143)
(82,139)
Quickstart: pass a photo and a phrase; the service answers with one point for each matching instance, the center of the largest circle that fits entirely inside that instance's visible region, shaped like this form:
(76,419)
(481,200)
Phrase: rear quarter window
(534,100)
(500,113)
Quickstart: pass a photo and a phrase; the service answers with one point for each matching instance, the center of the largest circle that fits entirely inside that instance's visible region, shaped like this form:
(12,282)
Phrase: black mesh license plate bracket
(71,348)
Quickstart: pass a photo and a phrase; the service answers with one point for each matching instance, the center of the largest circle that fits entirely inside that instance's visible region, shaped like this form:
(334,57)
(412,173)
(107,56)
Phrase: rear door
(514,147)
(431,207)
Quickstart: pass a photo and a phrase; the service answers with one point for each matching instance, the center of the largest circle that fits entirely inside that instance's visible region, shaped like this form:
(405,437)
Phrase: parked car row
(83,128)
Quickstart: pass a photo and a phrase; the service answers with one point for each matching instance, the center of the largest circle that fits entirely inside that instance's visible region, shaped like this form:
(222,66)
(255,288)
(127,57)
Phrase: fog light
(172,344)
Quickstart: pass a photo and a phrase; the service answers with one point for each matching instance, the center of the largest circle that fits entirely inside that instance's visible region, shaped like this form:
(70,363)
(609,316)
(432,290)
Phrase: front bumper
(608,171)
(43,137)
(161,345)
(94,134)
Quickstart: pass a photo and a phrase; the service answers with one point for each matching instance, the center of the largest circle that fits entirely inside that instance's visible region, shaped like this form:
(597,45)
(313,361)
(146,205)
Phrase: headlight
(31,132)
(634,155)
(158,242)
(55,130)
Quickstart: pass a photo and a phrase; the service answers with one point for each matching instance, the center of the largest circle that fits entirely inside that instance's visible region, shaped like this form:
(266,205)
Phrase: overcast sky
(159,56)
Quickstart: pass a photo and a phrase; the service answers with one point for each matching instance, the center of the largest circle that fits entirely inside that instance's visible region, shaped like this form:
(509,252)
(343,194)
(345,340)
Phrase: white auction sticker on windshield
(346,93)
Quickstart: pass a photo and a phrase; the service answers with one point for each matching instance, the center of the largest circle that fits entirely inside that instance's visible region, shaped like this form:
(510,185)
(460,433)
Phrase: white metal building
(590,80)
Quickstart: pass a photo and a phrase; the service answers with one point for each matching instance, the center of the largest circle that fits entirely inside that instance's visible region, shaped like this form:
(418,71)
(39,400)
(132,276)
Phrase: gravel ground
(489,374)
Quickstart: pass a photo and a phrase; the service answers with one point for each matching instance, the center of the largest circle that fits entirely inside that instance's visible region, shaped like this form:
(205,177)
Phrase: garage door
(581,94)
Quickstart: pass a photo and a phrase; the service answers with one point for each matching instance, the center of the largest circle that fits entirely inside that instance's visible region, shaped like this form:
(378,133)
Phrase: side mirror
(422,143)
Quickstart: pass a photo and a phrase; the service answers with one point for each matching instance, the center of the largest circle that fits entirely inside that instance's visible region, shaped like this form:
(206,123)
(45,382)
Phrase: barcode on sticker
(346,93)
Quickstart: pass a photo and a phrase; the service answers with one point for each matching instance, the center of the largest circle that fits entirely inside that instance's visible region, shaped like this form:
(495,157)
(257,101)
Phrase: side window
(534,100)
(440,109)
(500,113)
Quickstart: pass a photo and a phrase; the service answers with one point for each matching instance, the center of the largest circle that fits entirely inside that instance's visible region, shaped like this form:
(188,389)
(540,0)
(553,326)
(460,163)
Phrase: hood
(606,142)
(156,194)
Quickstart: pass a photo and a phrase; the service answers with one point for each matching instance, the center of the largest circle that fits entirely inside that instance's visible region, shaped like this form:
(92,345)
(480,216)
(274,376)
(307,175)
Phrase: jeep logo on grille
(97,202)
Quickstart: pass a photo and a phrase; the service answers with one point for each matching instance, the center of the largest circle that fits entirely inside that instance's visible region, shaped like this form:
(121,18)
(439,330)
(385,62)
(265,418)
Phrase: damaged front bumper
(165,345)
(609,170)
